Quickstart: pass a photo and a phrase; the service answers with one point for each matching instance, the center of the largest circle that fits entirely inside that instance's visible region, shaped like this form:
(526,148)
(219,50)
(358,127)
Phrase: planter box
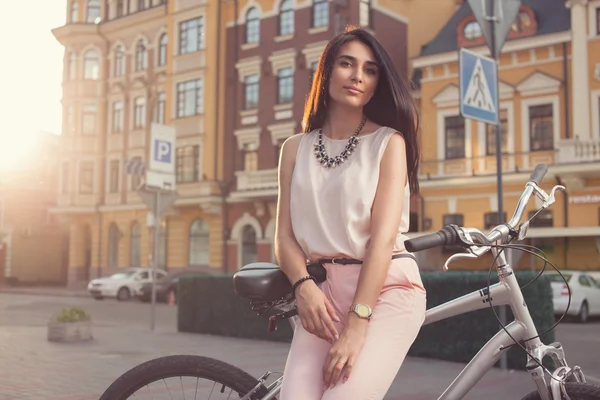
(69,331)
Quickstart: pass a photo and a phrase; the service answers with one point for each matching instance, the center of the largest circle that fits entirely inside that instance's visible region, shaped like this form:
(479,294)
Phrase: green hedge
(208,305)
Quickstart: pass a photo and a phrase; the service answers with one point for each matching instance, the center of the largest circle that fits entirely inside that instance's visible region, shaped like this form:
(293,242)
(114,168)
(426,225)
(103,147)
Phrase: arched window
(249,246)
(93,11)
(74,11)
(135,252)
(286,17)
(252,26)
(199,241)
(91,65)
(162,49)
(119,61)
(113,245)
(141,56)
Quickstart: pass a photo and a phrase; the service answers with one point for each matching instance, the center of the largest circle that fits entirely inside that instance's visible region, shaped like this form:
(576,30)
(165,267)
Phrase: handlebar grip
(538,173)
(443,237)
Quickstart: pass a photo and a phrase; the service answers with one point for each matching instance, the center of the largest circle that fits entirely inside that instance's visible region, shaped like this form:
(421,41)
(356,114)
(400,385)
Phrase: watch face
(362,310)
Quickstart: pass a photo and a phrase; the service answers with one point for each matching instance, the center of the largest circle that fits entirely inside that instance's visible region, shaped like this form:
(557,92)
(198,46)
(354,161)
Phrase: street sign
(161,167)
(497,16)
(158,201)
(478,83)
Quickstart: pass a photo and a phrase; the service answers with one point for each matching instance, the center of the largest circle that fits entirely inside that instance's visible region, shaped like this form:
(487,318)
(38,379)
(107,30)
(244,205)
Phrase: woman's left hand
(344,352)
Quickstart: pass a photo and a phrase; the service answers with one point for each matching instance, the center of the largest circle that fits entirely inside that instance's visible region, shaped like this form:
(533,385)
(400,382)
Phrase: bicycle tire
(182,365)
(575,390)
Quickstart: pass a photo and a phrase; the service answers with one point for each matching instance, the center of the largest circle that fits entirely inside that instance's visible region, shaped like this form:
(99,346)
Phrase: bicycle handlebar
(454,235)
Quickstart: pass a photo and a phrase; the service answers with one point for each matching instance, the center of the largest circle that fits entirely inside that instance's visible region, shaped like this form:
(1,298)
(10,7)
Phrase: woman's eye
(345,64)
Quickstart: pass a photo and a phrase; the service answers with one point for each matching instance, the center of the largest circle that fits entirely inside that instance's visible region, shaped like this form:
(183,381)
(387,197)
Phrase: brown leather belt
(348,261)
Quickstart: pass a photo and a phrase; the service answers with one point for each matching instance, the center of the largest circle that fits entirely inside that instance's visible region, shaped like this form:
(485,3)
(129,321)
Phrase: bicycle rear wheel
(223,375)
(575,390)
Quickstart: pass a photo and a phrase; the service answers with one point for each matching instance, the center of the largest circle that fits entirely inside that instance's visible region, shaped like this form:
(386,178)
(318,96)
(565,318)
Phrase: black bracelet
(299,281)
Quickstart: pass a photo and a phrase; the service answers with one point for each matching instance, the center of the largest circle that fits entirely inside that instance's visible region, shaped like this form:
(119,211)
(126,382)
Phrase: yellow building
(549,74)
(32,242)
(128,64)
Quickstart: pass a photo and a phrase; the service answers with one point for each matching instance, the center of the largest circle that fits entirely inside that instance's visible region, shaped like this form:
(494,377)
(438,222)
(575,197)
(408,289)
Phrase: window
(187,163)
(472,30)
(199,242)
(91,65)
(119,8)
(541,127)
(117,117)
(162,50)
(285,85)
(113,245)
(88,119)
(74,11)
(455,137)
(160,107)
(86,177)
(522,22)
(139,113)
(65,178)
(252,26)
(364,13)
(286,18)
(320,13)
(136,179)
(189,98)
(251,88)
(249,248)
(191,35)
(119,61)
(141,5)
(141,56)
(250,160)
(490,219)
(113,183)
(93,10)
(72,70)
(491,135)
(312,72)
(543,220)
(135,251)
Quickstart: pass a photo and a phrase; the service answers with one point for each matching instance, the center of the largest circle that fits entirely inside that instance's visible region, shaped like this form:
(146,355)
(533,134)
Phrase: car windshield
(122,275)
(558,278)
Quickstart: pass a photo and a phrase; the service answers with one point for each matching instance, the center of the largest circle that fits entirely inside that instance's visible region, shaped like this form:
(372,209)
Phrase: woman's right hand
(316,311)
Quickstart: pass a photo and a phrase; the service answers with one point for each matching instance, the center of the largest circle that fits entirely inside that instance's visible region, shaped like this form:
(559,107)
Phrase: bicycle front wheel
(575,390)
(200,377)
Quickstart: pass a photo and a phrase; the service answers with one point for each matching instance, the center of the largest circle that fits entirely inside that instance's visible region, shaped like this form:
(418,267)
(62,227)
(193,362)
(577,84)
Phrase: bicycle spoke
(182,390)
(170,395)
(196,393)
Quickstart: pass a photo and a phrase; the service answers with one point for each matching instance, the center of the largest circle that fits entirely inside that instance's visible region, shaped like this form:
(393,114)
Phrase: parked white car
(123,285)
(585,294)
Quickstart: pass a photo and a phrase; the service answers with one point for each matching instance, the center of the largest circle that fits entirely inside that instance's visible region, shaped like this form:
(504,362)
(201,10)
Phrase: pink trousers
(396,321)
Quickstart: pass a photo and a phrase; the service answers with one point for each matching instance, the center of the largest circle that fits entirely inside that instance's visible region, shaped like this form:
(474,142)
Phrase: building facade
(549,73)
(272,49)
(129,64)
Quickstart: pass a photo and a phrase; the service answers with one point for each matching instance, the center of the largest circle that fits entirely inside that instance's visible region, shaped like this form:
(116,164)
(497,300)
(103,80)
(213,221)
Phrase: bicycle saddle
(265,281)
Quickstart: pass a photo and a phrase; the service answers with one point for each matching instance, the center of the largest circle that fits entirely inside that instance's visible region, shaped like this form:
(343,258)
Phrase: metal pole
(493,18)
(155,257)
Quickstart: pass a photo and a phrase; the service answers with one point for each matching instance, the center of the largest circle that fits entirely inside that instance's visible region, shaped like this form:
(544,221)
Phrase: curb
(54,293)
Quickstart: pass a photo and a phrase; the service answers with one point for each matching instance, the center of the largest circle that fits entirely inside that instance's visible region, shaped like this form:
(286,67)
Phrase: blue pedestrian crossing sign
(478,77)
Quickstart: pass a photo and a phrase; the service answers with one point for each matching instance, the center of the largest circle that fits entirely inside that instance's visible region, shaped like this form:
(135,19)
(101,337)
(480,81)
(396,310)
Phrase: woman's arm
(386,216)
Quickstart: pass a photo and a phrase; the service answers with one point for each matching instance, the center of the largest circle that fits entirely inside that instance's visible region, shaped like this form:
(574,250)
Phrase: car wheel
(123,294)
(583,312)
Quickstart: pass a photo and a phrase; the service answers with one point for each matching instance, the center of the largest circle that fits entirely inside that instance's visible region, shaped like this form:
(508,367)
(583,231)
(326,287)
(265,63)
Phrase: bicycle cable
(525,248)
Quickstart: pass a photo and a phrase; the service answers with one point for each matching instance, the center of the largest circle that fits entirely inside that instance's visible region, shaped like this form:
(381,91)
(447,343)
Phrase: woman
(344,196)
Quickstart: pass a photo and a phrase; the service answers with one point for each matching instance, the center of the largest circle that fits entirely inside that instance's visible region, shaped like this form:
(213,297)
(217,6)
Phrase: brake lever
(547,199)
(464,234)
(457,256)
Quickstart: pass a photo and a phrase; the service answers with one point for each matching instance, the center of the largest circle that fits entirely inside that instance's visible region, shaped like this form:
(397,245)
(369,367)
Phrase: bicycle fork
(563,373)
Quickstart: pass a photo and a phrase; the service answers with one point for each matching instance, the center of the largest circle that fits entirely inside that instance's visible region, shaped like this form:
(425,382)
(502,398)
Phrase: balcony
(576,151)
(189,62)
(255,184)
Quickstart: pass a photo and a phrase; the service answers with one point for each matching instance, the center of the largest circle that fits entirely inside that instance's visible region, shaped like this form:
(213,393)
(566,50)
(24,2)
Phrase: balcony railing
(265,179)
(574,151)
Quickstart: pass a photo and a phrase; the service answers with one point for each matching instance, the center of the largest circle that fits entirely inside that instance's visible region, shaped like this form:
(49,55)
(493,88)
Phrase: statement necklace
(329,162)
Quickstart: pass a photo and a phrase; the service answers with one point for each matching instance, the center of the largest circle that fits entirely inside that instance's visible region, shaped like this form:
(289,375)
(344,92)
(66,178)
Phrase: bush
(73,314)
(208,305)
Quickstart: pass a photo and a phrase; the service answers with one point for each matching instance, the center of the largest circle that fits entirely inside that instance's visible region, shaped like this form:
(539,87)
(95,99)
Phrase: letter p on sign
(162,151)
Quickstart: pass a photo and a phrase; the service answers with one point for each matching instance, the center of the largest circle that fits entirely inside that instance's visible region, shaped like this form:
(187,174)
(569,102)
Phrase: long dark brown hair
(392,104)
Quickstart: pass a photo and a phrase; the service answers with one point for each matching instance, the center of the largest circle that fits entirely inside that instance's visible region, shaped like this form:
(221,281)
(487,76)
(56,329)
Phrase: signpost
(158,192)
(479,84)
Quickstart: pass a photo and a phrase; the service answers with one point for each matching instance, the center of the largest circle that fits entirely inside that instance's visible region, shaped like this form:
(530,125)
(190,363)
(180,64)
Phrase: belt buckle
(333,260)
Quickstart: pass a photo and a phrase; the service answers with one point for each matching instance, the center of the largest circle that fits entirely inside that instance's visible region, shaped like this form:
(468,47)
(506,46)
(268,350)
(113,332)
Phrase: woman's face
(354,75)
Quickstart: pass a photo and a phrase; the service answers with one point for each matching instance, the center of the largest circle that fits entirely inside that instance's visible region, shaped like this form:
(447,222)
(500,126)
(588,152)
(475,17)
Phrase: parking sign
(161,168)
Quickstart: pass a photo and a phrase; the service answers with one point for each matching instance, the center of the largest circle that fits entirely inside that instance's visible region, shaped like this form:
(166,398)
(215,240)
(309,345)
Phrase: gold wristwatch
(362,310)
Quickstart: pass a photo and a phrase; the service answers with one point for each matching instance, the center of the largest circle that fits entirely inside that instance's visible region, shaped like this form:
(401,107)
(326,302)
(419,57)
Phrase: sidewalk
(45,291)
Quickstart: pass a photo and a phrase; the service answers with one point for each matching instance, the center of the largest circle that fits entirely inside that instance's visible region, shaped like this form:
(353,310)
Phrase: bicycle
(269,289)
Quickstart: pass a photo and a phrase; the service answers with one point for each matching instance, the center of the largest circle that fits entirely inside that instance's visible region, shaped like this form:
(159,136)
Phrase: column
(580,94)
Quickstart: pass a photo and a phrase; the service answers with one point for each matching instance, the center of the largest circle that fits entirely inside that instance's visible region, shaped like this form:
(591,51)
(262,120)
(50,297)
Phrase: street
(33,368)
